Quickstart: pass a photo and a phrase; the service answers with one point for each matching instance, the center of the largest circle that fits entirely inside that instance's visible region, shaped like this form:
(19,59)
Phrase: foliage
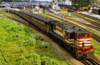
(19,45)
(96,46)
(10,14)
(81,3)
(38,37)
(22,48)
(31,41)
(44,45)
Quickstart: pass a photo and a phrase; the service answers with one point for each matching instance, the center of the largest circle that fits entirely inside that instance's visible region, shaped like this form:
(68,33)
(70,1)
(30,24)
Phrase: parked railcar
(96,10)
(76,40)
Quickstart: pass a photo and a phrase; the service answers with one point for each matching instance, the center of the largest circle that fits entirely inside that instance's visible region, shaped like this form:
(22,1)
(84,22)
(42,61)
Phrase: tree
(1,1)
(81,3)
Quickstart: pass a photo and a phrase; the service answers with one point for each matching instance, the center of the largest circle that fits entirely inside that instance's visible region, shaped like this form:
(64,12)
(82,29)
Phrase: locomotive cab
(70,37)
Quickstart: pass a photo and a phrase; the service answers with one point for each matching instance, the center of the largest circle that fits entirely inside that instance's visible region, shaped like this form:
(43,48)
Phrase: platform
(91,14)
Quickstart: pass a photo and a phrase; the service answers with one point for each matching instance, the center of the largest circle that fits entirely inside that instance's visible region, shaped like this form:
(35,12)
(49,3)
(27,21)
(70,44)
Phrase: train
(73,39)
(96,10)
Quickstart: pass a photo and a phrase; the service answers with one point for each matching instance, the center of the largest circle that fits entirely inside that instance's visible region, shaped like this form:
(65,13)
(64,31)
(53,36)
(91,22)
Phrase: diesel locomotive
(77,41)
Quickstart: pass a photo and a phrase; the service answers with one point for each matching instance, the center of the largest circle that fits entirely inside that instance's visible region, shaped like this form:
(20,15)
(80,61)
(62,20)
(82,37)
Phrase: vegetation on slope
(96,46)
(19,45)
(3,11)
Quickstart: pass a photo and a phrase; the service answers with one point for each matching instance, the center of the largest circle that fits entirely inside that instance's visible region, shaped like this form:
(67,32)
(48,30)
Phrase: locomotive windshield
(84,35)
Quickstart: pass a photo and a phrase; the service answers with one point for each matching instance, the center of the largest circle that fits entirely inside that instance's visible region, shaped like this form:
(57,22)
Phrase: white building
(40,0)
(65,2)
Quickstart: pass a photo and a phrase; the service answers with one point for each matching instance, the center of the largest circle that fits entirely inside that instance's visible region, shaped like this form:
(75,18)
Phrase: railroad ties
(90,61)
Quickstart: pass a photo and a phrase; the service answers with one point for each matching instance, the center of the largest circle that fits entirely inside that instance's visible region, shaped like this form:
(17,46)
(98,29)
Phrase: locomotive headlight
(91,49)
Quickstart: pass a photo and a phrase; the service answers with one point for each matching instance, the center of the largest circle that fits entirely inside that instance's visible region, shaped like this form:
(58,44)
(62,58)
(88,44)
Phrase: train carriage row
(96,10)
(76,40)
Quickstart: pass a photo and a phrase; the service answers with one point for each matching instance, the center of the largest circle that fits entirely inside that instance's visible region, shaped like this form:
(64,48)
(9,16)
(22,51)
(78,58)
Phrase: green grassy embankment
(97,47)
(3,11)
(19,45)
(95,43)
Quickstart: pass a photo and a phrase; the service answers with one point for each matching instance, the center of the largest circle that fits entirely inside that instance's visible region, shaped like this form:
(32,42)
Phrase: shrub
(1,45)
(49,61)
(38,37)
(31,41)
(45,45)
(13,37)
(22,48)
(27,30)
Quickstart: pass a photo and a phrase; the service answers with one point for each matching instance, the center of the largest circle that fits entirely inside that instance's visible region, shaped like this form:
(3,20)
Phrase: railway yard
(67,51)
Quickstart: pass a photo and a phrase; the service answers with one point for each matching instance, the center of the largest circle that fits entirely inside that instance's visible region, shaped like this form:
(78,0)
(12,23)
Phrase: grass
(93,31)
(96,46)
(10,14)
(91,20)
(51,54)
(19,45)
(67,14)
(95,43)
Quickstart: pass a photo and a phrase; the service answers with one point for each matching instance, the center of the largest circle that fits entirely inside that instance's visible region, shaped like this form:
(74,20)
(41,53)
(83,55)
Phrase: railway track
(90,61)
(83,23)
(96,37)
(83,17)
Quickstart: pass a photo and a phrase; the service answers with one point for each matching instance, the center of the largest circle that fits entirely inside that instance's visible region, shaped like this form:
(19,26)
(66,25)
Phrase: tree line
(81,3)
